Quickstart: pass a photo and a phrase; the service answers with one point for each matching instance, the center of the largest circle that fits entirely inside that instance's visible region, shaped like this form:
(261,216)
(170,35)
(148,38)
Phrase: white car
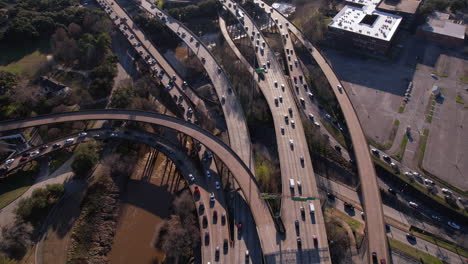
(453,225)
(291,143)
(208,174)
(311,116)
(218,185)
(212,198)
(69,141)
(293,124)
(34,154)
(413,204)
(10,161)
(82,134)
(446,191)
(317,124)
(191,178)
(427,181)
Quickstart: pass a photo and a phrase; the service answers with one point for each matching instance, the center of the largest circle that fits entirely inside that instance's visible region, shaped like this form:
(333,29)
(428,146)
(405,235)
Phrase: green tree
(122,97)
(86,156)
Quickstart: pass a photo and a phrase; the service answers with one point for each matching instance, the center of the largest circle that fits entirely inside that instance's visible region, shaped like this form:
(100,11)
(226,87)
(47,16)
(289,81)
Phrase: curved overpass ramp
(260,211)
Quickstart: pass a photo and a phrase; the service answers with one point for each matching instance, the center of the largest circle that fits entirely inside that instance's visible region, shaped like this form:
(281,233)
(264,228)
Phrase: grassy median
(413,252)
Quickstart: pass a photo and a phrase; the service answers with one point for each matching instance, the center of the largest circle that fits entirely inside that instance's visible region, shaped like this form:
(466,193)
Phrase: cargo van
(312,208)
(291,183)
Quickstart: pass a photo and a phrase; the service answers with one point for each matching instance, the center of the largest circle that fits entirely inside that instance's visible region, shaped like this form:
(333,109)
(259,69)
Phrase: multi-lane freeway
(306,243)
(375,229)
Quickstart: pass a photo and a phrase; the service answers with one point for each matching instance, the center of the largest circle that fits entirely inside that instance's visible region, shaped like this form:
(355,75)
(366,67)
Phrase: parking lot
(446,153)
(377,88)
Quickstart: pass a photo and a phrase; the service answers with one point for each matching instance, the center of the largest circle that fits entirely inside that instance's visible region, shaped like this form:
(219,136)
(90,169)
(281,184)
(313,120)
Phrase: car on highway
(302,212)
(299,243)
(280,99)
(56,145)
(453,225)
(205,221)
(196,191)
(9,161)
(35,153)
(208,174)
(43,147)
(212,198)
(69,141)
(446,191)
(225,246)
(191,178)
(217,254)
(247,256)
(276,102)
(223,219)
(218,185)
(413,204)
(290,111)
(299,186)
(375,152)
(201,208)
(392,191)
(293,124)
(286,119)
(302,161)
(331,196)
(410,237)
(348,206)
(282,130)
(207,238)
(291,144)
(317,124)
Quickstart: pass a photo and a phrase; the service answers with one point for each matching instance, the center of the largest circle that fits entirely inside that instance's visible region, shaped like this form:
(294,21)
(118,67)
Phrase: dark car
(299,243)
(223,219)
(56,145)
(225,246)
(217,254)
(26,154)
(201,208)
(215,216)
(330,196)
(374,257)
(338,148)
(205,221)
(296,224)
(302,212)
(349,206)
(43,147)
(239,227)
(410,237)
(207,238)
(392,191)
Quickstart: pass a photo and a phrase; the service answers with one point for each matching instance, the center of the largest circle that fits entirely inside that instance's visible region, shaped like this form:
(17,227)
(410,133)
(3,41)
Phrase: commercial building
(405,8)
(438,28)
(360,26)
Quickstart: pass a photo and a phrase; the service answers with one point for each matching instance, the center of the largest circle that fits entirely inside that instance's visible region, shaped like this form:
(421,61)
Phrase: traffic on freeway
(293,152)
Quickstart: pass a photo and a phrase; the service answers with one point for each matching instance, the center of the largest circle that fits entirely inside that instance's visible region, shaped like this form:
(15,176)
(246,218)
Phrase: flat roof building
(405,8)
(364,27)
(438,28)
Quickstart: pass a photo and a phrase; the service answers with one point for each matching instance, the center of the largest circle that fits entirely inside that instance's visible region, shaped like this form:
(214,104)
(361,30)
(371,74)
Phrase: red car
(239,227)
(23,159)
(197,190)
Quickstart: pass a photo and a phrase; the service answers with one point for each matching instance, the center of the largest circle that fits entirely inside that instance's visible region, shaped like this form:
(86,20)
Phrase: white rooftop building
(367,21)
(360,24)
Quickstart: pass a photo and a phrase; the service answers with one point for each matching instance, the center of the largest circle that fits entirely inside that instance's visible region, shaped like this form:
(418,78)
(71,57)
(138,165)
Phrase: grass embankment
(389,143)
(418,187)
(335,133)
(441,243)
(413,252)
(356,226)
(58,159)
(25,58)
(401,151)
(422,148)
(17,184)
(459,99)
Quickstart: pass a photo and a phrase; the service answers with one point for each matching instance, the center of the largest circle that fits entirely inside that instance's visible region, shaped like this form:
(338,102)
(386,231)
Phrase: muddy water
(144,206)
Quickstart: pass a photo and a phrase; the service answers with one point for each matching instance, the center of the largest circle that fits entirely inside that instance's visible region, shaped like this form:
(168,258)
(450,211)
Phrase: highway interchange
(292,145)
